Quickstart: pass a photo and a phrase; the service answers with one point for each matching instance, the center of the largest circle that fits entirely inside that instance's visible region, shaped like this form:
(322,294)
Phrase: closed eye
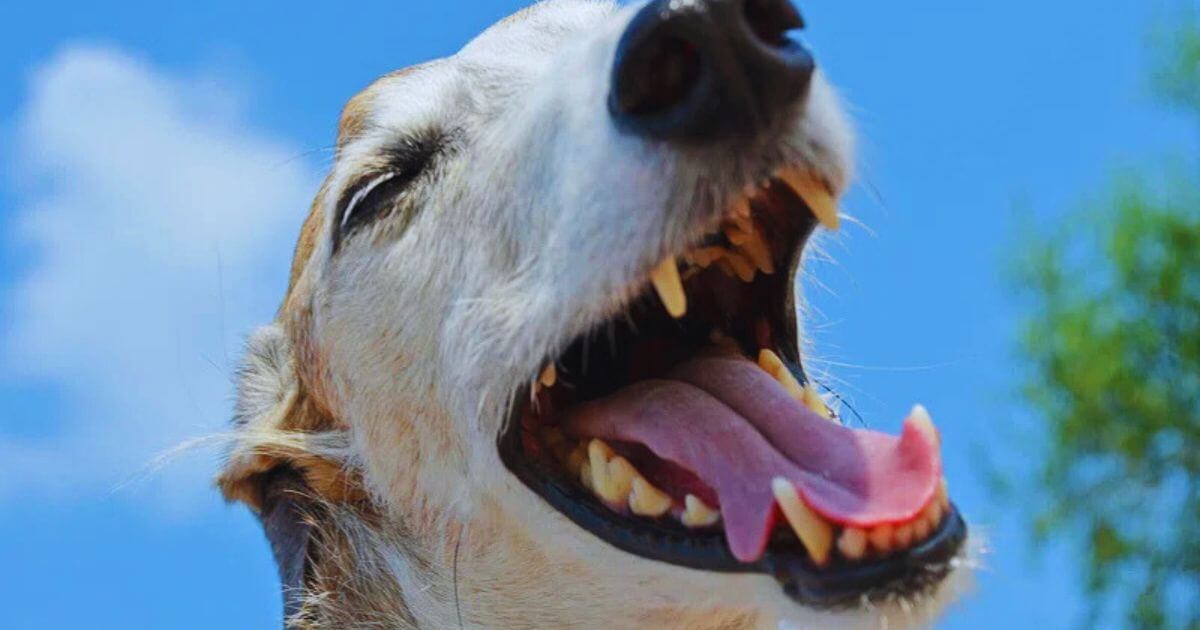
(380,192)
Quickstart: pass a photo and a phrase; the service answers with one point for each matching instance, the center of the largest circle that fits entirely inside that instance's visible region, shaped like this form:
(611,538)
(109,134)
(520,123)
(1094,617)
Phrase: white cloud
(160,227)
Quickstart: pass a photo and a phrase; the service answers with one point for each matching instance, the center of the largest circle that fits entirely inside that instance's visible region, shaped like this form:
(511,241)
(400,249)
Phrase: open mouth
(686,431)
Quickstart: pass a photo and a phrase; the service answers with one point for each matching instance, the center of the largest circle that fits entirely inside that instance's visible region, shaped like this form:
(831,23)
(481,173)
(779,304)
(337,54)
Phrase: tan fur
(387,375)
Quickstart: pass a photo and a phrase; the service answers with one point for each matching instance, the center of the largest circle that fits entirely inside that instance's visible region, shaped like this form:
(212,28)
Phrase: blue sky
(155,163)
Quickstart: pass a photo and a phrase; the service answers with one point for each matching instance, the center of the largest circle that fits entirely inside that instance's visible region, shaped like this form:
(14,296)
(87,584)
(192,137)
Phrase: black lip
(840,585)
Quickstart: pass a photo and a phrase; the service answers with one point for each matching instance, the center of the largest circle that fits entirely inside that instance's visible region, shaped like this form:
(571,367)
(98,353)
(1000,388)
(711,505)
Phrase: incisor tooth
(881,538)
(814,532)
(549,376)
(669,286)
(852,543)
(921,529)
(818,198)
(646,500)
(903,536)
(697,514)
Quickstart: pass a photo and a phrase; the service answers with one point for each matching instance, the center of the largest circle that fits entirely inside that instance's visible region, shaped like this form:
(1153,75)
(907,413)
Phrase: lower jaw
(839,584)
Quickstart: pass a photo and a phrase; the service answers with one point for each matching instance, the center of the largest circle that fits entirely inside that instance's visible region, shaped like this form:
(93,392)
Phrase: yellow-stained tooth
(646,500)
(758,251)
(903,536)
(773,365)
(669,286)
(852,543)
(735,235)
(620,480)
(813,400)
(814,532)
(585,475)
(742,266)
(881,538)
(549,376)
(697,514)
(817,196)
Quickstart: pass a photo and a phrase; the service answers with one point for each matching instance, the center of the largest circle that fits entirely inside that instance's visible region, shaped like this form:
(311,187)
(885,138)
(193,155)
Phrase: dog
(539,366)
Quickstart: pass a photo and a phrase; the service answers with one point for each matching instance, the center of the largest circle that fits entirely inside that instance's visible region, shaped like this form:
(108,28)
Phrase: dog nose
(698,70)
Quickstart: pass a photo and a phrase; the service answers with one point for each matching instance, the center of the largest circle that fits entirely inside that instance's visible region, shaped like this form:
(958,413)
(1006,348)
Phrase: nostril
(663,74)
(770,20)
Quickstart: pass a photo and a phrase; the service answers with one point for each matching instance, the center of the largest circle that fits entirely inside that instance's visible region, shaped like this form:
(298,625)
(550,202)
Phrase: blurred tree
(1112,339)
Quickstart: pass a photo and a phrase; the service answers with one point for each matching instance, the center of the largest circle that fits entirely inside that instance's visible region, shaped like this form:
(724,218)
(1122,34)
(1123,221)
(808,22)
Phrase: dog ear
(287,461)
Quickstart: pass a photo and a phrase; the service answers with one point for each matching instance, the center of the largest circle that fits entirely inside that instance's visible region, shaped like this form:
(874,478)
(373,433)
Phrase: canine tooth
(852,543)
(881,538)
(697,514)
(814,532)
(667,283)
(813,400)
(920,419)
(773,365)
(646,500)
(818,198)
(620,480)
(549,376)
(903,536)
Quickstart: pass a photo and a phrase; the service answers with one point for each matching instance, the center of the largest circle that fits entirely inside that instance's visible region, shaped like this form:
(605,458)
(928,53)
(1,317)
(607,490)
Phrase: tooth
(757,250)
(646,500)
(813,401)
(818,198)
(670,288)
(706,256)
(920,419)
(903,536)
(585,475)
(736,235)
(881,538)
(814,532)
(933,513)
(726,266)
(576,459)
(852,543)
(696,514)
(549,376)
(943,496)
(773,365)
(742,266)
(620,480)
(921,529)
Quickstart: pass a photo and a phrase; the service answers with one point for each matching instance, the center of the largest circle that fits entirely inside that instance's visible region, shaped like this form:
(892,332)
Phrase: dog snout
(702,70)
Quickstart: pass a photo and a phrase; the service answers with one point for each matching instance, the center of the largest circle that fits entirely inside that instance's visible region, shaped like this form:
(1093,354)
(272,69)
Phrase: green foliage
(1112,339)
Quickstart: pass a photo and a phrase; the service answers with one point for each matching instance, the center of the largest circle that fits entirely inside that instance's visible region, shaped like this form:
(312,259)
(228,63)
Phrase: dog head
(541,335)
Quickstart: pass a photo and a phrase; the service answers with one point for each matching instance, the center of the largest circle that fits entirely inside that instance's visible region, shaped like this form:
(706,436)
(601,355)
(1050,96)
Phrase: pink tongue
(732,425)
